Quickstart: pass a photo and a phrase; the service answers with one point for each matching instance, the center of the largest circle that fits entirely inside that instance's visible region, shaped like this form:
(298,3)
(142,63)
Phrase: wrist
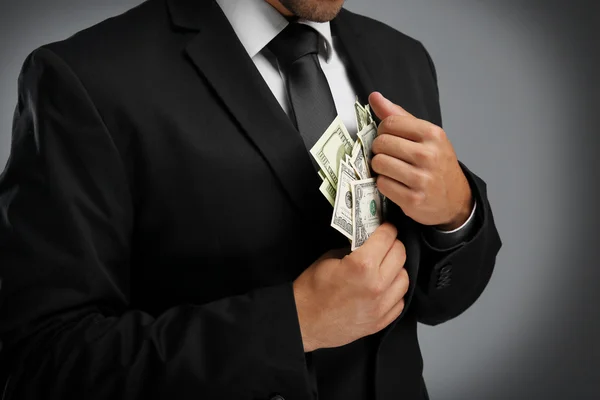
(462,215)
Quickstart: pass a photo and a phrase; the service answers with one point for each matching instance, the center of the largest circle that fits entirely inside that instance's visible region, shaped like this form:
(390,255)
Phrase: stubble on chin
(314,10)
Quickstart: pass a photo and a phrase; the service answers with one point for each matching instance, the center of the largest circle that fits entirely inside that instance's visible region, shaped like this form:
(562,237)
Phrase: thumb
(383,108)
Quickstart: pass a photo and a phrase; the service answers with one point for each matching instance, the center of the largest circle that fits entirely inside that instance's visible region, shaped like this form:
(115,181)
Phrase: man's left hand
(418,168)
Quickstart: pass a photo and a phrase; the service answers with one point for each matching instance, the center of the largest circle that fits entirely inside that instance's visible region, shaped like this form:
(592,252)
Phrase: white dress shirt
(256,23)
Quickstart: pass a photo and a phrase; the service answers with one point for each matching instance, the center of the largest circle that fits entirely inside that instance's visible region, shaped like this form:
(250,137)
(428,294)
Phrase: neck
(276,4)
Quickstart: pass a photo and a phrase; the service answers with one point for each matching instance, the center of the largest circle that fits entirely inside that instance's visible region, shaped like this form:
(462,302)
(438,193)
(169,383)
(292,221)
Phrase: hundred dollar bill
(331,148)
(361,115)
(358,162)
(366,209)
(342,209)
(328,191)
(366,137)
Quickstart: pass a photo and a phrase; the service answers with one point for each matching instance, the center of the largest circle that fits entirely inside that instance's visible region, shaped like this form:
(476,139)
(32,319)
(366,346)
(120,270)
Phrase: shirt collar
(256,23)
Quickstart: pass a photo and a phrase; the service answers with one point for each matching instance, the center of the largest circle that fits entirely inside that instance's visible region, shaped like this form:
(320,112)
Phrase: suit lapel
(367,78)
(220,57)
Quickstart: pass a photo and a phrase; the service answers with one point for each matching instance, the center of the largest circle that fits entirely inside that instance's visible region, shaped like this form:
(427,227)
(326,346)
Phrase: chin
(314,10)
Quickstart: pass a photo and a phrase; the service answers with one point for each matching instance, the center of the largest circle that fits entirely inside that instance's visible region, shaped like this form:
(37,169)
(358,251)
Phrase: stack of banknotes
(348,182)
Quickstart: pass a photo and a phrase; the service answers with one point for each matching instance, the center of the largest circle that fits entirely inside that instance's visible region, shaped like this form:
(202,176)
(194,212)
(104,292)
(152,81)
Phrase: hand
(341,300)
(418,169)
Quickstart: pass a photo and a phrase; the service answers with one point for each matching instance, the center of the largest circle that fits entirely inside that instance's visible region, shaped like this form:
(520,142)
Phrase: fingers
(383,108)
(393,299)
(398,122)
(399,193)
(401,171)
(374,250)
(392,264)
(407,127)
(416,154)
(391,315)
(399,286)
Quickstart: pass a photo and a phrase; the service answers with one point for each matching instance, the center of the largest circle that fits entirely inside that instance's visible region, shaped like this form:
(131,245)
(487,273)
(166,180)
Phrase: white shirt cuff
(444,240)
(463,225)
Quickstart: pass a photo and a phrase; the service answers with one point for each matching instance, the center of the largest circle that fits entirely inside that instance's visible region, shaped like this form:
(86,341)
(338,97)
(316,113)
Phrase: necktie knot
(294,42)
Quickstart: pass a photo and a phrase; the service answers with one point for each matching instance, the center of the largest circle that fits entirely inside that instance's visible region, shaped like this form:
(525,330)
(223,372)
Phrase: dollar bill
(366,209)
(342,209)
(358,162)
(322,175)
(361,115)
(328,191)
(366,137)
(332,148)
(369,115)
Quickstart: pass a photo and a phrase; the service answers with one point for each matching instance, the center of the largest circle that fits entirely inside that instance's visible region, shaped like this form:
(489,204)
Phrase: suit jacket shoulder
(377,30)
(114,59)
(120,39)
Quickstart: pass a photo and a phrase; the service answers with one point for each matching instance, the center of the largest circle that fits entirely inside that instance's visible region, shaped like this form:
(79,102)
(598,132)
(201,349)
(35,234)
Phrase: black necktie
(313,108)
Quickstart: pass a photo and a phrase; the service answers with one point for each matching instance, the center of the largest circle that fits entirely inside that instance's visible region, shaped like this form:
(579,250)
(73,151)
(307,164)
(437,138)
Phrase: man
(162,231)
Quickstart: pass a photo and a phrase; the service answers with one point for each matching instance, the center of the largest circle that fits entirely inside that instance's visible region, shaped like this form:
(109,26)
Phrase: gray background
(519,97)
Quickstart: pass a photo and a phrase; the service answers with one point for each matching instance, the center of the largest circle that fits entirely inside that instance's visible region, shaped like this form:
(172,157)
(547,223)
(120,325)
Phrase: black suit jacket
(158,203)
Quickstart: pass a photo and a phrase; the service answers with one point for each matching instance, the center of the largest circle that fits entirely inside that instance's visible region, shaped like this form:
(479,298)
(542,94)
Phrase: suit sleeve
(451,280)
(66,222)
